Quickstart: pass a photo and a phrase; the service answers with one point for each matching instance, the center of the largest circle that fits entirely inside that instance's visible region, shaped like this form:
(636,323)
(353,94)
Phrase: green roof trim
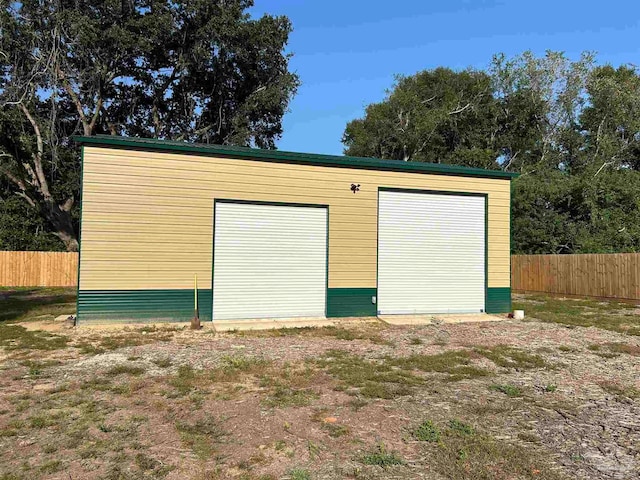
(289,157)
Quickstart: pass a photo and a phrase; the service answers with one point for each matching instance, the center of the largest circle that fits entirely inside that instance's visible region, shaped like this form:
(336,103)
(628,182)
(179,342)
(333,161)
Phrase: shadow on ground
(29,304)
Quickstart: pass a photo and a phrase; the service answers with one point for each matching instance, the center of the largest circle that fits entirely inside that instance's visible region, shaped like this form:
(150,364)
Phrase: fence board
(615,275)
(591,275)
(38,269)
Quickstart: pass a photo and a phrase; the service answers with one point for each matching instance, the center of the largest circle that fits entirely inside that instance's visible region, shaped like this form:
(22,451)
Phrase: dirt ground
(535,399)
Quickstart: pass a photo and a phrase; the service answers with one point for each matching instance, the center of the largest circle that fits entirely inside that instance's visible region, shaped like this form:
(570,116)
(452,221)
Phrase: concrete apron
(271,323)
(439,319)
(274,323)
(397,320)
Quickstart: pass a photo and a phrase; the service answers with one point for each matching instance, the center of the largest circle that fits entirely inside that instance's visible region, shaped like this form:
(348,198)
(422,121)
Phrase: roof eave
(291,157)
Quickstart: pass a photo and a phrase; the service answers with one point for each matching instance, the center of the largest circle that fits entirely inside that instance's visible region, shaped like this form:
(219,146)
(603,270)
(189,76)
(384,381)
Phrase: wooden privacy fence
(613,275)
(38,269)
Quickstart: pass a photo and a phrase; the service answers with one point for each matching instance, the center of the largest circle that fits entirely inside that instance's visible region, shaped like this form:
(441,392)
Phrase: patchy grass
(288,386)
(510,357)
(632,350)
(373,379)
(15,337)
(456,364)
(163,362)
(201,435)
(426,432)
(232,367)
(508,390)
(299,474)
(465,454)
(460,427)
(184,381)
(31,304)
(382,458)
(608,315)
(371,333)
(125,370)
(619,390)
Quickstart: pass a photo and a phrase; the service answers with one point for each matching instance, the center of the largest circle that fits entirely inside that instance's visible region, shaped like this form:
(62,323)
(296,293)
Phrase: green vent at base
(143,305)
(351,302)
(498,300)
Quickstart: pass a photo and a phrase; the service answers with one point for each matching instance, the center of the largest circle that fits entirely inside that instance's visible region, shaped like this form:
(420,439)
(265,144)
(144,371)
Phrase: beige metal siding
(147,216)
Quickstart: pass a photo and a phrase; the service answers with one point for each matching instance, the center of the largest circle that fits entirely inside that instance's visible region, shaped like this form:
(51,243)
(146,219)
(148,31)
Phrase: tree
(196,70)
(438,116)
(540,100)
(611,121)
(572,130)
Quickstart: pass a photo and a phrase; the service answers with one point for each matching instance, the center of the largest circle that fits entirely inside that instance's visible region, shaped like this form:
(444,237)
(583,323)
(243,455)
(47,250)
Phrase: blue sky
(347,52)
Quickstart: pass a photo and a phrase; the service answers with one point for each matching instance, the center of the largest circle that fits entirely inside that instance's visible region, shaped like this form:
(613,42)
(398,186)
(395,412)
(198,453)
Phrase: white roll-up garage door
(431,253)
(270,261)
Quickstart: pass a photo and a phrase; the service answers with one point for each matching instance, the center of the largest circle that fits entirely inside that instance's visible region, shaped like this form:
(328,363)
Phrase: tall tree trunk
(60,218)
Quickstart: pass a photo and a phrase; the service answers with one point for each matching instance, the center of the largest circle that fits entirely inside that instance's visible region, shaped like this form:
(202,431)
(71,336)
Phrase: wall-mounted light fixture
(355,187)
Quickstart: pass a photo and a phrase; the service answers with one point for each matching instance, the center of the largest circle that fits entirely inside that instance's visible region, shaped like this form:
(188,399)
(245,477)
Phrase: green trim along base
(351,302)
(498,300)
(143,305)
(177,305)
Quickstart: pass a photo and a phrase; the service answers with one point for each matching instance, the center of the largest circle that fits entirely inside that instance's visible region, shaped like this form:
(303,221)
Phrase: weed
(567,349)
(619,390)
(15,337)
(468,455)
(374,379)
(460,427)
(282,396)
(415,341)
(40,421)
(528,437)
(150,464)
(426,432)
(49,448)
(184,381)
(163,362)
(52,466)
(314,449)
(550,388)
(380,457)
(232,366)
(508,390)
(299,474)
(510,357)
(336,431)
(457,364)
(125,370)
(201,435)
(632,350)
(357,403)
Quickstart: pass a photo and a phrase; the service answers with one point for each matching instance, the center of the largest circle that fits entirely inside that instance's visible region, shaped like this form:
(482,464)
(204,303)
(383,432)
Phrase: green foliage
(570,128)
(460,427)
(299,474)
(427,432)
(186,70)
(382,458)
(508,390)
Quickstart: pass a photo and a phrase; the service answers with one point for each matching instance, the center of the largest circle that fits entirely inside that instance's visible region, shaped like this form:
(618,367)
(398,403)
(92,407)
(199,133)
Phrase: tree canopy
(197,70)
(570,128)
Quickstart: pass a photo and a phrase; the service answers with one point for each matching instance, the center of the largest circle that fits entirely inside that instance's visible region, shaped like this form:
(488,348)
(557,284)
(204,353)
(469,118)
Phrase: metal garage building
(274,234)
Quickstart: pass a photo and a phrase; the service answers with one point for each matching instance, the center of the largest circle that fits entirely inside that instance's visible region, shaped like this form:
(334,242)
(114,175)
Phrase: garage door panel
(270,261)
(431,253)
